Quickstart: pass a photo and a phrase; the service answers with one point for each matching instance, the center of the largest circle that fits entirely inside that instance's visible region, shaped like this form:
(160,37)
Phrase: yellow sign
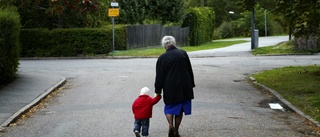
(113,12)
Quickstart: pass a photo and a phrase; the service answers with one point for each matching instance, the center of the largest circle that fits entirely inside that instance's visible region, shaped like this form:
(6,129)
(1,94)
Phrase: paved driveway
(239,49)
(96,101)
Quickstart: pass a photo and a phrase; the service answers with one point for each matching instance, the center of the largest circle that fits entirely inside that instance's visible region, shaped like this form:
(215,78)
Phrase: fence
(150,35)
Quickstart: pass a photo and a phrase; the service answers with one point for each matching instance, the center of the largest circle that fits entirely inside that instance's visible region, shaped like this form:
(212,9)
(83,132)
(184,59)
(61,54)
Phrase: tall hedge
(71,42)
(201,24)
(9,43)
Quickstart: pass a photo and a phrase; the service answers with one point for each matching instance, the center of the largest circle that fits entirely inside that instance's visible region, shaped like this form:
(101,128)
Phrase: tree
(222,8)
(243,23)
(132,11)
(165,10)
(304,17)
(193,3)
(6,3)
(33,14)
(80,9)
(269,5)
(61,13)
(140,11)
(246,5)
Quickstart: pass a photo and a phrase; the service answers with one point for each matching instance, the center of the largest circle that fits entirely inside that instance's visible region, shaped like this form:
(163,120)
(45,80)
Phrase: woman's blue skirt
(177,108)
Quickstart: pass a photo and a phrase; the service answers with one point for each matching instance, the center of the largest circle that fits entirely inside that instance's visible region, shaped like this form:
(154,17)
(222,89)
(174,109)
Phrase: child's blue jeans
(142,125)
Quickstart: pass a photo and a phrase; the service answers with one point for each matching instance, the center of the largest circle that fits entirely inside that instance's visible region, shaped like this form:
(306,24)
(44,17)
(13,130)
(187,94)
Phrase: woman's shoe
(171,132)
(176,134)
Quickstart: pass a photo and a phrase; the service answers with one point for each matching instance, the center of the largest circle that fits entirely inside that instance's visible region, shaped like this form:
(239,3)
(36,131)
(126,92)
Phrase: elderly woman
(175,77)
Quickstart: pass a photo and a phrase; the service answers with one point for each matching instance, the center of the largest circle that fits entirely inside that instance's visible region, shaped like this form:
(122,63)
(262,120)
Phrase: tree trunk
(61,19)
(305,43)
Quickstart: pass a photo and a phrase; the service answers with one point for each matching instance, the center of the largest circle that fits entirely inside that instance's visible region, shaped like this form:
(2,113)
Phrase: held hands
(155,94)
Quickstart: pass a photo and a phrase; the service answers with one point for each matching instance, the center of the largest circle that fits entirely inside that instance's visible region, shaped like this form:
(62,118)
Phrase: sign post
(113,12)
(112,34)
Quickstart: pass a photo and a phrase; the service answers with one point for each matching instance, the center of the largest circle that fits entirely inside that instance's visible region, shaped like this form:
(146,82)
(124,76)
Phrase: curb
(287,103)
(87,57)
(136,57)
(285,54)
(36,101)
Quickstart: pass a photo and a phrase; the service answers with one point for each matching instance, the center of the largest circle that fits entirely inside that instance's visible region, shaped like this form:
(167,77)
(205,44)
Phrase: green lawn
(297,84)
(281,48)
(300,85)
(158,50)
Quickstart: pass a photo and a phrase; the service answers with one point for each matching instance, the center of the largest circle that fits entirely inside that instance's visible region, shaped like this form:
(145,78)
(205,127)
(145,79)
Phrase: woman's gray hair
(168,41)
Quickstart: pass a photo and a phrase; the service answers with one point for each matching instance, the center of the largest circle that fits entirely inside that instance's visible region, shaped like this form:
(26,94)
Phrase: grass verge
(297,84)
(156,51)
(281,48)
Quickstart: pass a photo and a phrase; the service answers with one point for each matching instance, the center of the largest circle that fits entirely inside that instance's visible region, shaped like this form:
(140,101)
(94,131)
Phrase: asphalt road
(96,100)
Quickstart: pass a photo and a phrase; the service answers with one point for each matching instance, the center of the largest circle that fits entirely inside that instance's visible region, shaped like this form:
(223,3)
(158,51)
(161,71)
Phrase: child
(142,110)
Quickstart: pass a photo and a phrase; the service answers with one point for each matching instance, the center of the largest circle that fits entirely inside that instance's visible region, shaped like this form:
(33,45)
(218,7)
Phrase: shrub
(201,24)
(226,30)
(71,42)
(9,43)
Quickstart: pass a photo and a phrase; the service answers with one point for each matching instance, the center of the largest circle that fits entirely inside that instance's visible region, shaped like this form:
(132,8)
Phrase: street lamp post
(290,29)
(252,25)
(232,26)
(265,23)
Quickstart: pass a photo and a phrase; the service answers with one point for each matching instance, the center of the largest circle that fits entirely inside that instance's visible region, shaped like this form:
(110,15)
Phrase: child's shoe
(137,133)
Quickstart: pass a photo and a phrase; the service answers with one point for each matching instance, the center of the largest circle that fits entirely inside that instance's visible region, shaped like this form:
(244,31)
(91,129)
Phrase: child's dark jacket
(142,106)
